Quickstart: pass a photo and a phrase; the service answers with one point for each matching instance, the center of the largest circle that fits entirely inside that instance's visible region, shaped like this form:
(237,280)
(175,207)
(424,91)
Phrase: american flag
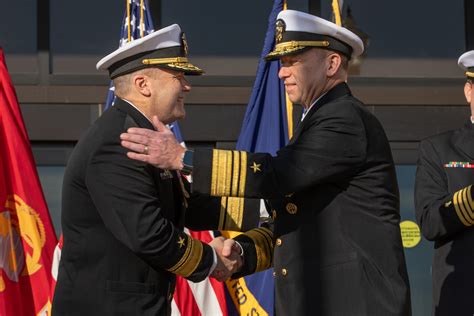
(136,24)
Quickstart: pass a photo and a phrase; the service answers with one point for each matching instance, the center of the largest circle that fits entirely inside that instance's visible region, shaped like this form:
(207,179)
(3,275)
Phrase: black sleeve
(439,212)
(258,250)
(332,146)
(124,192)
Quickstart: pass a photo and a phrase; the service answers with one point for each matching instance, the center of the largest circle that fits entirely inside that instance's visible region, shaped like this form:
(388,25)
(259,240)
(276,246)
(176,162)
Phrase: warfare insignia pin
(279,30)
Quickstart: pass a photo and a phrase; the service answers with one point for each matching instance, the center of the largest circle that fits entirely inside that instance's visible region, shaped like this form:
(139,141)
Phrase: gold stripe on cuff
(235,209)
(463,209)
(263,247)
(222,213)
(469,197)
(243,173)
(214,174)
(458,210)
(467,207)
(228,175)
(235,172)
(190,260)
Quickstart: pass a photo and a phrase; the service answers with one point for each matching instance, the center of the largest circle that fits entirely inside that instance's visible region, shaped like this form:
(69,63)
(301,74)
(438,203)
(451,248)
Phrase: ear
(468,92)
(141,83)
(335,61)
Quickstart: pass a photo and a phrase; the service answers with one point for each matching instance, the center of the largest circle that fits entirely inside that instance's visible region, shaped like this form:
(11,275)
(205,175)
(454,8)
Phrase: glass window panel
(409,38)
(51,178)
(225,38)
(18,36)
(82,33)
(418,258)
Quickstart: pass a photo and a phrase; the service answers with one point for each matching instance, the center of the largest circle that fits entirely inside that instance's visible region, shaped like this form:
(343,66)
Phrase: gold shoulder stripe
(190,260)
(458,209)
(263,241)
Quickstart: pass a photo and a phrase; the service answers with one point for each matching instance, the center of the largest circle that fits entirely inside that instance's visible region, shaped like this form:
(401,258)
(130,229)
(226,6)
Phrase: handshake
(229,258)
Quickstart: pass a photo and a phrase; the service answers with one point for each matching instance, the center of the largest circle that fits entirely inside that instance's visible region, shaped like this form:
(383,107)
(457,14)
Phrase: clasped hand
(229,258)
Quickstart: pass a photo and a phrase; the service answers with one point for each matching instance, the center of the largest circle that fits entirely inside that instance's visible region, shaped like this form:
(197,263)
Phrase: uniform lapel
(338,91)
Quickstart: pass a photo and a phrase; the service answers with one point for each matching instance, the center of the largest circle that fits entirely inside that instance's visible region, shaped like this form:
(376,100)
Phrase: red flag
(27,238)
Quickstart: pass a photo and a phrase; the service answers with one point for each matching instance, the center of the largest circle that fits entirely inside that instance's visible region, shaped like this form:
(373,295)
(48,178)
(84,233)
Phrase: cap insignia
(185,44)
(279,29)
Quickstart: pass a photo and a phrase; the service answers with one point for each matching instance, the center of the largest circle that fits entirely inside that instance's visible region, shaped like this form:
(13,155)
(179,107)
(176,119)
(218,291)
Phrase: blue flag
(265,125)
(265,129)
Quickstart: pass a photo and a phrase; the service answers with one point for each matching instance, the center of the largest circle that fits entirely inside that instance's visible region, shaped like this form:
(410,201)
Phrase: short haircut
(123,83)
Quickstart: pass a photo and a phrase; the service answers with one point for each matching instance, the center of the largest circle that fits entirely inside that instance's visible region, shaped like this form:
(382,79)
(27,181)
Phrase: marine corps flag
(27,238)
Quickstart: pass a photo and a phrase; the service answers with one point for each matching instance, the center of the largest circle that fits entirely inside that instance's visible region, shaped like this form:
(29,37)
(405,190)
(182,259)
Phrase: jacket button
(284,272)
(291,208)
(278,242)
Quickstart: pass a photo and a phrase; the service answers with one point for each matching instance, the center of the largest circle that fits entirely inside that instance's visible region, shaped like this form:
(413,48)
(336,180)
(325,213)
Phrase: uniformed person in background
(445,207)
(333,189)
(122,220)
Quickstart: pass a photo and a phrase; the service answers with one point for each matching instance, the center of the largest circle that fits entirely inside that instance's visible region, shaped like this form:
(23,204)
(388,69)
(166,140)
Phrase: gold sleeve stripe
(464,211)
(190,260)
(214,175)
(235,174)
(458,210)
(234,218)
(223,213)
(221,177)
(229,172)
(469,214)
(263,241)
(243,173)
(469,197)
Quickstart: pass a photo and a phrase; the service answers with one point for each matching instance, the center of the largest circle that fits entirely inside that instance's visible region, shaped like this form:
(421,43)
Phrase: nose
(283,73)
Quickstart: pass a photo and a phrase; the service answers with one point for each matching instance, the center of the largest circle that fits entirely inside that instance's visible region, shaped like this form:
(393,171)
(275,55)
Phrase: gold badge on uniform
(185,44)
(291,208)
(279,29)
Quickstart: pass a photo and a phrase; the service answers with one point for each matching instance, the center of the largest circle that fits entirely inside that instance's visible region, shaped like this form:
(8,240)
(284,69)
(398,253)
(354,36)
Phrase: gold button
(284,272)
(274,274)
(291,208)
(289,195)
(170,297)
(274,214)
(278,242)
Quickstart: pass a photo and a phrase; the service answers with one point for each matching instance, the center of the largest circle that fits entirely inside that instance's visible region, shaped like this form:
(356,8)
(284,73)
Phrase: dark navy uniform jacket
(122,222)
(445,212)
(335,204)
